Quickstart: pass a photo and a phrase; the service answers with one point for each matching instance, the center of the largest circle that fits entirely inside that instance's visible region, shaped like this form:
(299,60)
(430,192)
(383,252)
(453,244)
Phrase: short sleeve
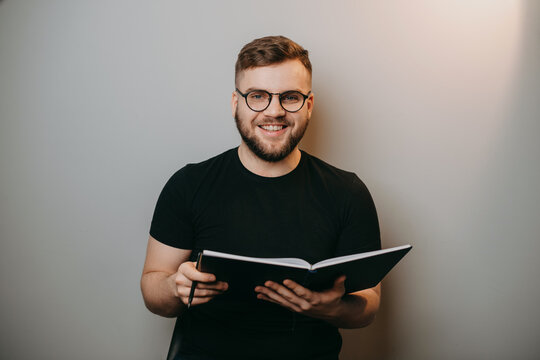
(360,226)
(171,222)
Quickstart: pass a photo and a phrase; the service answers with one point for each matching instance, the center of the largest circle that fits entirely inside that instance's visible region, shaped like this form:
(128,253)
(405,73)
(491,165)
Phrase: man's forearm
(357,310)
(158,293)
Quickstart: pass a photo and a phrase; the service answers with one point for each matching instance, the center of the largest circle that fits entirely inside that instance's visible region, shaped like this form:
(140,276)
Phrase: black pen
(194,284)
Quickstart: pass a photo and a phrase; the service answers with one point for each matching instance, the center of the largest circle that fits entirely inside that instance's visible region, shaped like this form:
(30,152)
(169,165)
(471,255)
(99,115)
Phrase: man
(265,198)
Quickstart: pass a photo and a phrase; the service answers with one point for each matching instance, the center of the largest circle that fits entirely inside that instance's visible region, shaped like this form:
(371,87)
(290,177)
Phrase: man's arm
(348,311)
(167,278)
(358,309)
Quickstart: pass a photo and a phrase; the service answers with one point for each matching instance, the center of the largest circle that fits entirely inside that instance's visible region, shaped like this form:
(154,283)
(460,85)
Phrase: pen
(194,284)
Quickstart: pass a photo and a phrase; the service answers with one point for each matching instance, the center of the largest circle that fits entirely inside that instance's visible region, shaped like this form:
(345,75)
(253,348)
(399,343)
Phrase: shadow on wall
(373,342)
(314,141)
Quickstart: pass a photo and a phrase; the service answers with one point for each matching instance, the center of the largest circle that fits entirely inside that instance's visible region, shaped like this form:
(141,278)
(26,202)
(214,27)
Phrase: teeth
(272,127)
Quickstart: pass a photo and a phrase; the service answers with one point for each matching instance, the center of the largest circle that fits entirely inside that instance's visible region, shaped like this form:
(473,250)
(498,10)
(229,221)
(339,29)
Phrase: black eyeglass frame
(271,96)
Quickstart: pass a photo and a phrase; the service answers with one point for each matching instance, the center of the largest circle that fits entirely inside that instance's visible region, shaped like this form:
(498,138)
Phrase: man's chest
(266,221)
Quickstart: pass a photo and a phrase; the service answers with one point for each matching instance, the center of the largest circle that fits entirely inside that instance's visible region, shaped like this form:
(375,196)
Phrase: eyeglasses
(259,100)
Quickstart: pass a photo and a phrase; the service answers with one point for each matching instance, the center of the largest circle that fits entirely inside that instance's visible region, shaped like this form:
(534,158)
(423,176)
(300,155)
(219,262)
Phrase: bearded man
(265,198)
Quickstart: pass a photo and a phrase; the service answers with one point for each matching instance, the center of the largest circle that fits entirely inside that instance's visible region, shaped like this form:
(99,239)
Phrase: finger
(196,300)
(335,292)
(340,280)
(283,291)
(291,298)
(186,290)
(198,293)
(216,285)
(266,298)
(278,299)
(299,290)
(339,284)
(190,272)
(206,293)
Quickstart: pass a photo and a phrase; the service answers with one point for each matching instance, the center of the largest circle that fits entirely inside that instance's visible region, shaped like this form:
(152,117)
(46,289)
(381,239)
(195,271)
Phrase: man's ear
(310,101)
(234,102)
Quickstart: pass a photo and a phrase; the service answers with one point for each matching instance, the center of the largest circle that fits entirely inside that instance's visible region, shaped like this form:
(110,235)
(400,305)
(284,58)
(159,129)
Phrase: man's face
(274,133)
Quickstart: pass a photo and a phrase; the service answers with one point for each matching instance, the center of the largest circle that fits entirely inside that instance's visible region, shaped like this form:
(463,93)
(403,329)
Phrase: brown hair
(270,50)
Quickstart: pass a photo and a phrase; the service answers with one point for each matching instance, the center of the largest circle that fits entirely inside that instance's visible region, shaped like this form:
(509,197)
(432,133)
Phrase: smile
(272,127)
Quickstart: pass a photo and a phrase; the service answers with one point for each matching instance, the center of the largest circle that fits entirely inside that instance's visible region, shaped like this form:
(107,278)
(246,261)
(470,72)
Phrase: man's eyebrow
(256,88)
(251,89)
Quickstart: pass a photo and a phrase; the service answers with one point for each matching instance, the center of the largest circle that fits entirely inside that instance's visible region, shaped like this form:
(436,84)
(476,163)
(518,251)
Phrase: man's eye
(258,96)
(291,97)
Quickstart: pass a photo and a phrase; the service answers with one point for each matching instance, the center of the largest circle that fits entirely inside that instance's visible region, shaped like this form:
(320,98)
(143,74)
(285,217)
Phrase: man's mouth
(272,127)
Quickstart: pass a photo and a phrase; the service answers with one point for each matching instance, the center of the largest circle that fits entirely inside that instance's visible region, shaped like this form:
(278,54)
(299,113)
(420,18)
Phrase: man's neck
(264,168)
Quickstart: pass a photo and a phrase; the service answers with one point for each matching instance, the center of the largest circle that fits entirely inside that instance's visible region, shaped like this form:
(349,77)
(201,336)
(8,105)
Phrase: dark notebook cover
(363,270)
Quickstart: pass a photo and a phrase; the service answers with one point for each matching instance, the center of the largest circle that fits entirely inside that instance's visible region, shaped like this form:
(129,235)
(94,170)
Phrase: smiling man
(265,198)
(271,130)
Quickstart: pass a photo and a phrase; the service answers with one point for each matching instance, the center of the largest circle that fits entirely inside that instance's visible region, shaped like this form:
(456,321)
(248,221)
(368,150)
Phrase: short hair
(270,50)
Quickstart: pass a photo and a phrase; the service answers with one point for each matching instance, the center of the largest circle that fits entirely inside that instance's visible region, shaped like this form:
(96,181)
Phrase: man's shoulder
(225,156)
(326,168)
(332,175)
(194,172)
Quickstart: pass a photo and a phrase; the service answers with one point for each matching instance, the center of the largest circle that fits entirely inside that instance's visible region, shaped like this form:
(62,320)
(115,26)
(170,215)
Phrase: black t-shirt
(314,212)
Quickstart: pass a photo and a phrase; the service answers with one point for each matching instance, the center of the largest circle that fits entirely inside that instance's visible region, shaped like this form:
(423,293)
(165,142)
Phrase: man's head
(275,65)
(270,50)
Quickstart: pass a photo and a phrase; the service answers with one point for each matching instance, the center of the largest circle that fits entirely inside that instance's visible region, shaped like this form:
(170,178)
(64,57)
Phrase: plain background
(434,104)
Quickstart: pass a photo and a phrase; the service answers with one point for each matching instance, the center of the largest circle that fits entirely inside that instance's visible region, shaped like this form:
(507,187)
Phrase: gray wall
(434,104)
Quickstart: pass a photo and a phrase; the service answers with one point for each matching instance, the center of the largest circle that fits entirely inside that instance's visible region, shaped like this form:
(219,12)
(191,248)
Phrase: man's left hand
(322,305)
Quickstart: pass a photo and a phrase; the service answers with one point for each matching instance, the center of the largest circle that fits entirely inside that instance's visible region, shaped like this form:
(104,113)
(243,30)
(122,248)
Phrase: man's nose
(274,109)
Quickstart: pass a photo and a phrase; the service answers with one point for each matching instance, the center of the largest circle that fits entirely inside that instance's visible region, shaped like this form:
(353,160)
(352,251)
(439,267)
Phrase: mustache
(273,121)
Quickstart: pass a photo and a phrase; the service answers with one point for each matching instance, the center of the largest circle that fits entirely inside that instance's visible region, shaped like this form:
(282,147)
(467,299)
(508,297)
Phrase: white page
(291,262)
(347,258)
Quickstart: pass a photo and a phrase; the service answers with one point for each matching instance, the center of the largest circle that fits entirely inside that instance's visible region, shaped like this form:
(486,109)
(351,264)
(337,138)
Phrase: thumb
(339,284)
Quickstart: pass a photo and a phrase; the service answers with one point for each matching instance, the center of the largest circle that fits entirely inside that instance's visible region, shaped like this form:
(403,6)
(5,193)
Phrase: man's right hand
(207,286)
(167,278)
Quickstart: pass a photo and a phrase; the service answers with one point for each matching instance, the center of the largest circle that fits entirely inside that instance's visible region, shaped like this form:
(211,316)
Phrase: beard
(257,147)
